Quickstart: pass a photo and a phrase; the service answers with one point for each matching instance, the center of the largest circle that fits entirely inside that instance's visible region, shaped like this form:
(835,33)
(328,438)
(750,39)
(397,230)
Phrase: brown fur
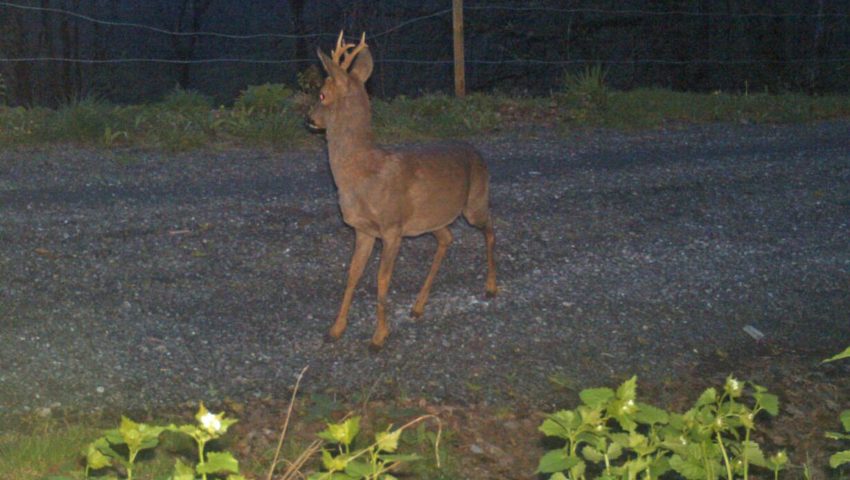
(390,193)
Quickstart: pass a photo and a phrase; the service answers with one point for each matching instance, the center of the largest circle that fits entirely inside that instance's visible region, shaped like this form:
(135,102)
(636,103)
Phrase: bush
(186,102)
(585,95)
(266,98)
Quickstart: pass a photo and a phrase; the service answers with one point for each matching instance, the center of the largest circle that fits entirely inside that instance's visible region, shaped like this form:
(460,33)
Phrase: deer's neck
(350,140)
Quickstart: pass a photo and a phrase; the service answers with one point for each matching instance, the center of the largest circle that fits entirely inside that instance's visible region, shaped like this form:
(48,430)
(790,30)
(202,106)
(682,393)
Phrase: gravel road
(136,279)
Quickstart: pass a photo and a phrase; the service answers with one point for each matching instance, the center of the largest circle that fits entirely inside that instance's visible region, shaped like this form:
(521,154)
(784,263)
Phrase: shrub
(585,95)
(186,101)
(266,98)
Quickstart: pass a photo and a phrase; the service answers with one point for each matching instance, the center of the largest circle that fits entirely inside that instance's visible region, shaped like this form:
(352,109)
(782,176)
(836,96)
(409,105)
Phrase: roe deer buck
(390,193)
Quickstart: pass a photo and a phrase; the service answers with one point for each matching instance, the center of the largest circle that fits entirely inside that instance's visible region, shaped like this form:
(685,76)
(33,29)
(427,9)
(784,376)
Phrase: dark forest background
(521,47)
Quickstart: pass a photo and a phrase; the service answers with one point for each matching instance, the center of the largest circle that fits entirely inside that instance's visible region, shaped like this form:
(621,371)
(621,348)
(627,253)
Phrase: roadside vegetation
(610,434)
(272,115)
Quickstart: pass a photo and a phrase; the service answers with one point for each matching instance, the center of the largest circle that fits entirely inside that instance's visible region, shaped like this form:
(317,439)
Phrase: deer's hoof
(491,293)
(416,313)
(330,338)
(375,348)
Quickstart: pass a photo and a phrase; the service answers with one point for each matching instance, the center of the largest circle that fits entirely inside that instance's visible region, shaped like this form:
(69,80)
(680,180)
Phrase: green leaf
(397,458)
(95,458)
(556,461)
(138,436)
(219,462)
(596,397)
(387,441)
(836,436)
(687,468)
(614,451)
(754,454)
(592,454)
(650,415)
(708,397)
(840,356)
(343,433)
(768,401)
(561,424)
(628,389)
(361,469)
(334,463)
(183,471)
(558,476)
(839,459)
(845,420)
(660,465)
(635,466)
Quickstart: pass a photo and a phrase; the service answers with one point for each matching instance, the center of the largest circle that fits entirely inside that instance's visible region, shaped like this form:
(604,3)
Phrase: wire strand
(516,61)
(598,11)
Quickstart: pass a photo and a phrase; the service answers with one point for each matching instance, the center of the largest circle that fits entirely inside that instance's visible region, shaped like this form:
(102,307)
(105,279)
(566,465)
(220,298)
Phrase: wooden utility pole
(457,23)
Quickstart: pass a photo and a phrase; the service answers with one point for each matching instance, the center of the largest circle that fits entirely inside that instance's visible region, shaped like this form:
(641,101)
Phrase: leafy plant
(122,445)
(210,426)
(186,101)
(109,137)
(585,94)
(133,437)
(614,433)
(266,98)
(342,462)
(842,457)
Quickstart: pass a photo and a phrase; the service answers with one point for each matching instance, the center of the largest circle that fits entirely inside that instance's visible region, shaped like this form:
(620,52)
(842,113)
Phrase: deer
(388,193)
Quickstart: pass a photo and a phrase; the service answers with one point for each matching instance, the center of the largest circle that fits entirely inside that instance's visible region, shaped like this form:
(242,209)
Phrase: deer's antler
(342,54)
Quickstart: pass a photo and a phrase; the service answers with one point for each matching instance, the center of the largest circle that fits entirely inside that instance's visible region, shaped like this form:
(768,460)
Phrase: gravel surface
(137,279)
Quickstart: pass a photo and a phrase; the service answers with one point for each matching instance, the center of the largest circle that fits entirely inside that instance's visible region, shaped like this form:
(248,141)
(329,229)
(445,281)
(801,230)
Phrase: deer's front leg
(363,244)
(389,252)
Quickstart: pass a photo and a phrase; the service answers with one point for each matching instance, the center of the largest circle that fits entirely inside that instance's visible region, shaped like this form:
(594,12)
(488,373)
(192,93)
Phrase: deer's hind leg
(389,251)
(477,213)
(444,239)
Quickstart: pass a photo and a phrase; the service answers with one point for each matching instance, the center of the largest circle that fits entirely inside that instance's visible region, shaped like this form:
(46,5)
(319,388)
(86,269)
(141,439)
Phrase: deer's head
(343,101)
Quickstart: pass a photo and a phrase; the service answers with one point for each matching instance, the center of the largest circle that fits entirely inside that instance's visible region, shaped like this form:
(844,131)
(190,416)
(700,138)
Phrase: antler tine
(349,57)
(340,49)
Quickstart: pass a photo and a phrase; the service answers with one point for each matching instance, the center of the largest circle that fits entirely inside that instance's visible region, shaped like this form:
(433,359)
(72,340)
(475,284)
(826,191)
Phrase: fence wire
(525,46)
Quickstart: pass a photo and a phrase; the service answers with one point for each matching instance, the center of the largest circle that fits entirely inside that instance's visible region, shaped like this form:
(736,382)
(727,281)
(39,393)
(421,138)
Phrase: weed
(122,446)
(843,457)
(622,438)
(267,98)
(186,101)
(585,95)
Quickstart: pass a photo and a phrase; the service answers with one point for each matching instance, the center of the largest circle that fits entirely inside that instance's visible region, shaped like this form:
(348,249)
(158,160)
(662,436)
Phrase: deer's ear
(362,68)
(331,67)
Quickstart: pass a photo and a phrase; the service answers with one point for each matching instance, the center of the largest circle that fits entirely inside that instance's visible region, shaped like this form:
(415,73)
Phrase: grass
(272,115)
(47,449)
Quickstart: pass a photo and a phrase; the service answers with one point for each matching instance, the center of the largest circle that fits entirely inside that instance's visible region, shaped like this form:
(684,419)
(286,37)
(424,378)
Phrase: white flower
(211,422)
